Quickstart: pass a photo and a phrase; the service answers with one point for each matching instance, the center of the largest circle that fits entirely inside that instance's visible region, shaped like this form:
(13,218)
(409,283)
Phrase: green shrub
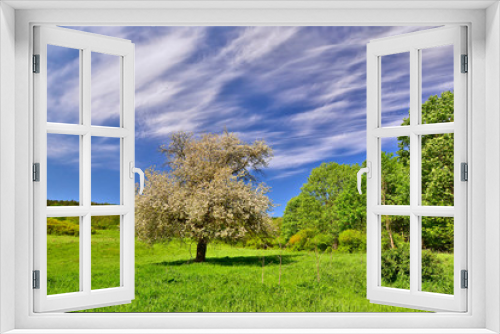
(432,266)
(396,264)
(278,242)
(321,242)
(64,226)
(106,222)
(257,243)
(301,239)
(351,241)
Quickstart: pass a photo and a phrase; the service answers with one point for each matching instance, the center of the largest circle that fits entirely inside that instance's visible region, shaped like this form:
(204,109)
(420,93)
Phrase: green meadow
(233,279)
(259,275)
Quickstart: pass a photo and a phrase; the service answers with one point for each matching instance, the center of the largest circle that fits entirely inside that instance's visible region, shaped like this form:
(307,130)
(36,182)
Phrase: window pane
(63,170)
(395,89)
(63,255)
(395,251)
(63,85)
(437,84)
(105,170)
(105,252)
(395,171)
(437,170)
(106,89)
(437,254)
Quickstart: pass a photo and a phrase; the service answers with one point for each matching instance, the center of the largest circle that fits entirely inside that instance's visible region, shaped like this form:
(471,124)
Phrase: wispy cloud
(284,174)
(63,149)
(302,89)
(316,149)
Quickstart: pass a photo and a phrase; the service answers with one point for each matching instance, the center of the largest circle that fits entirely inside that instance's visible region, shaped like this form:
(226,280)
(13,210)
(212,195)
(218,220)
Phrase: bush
(257,243)
(300,240)
(321,241)
(106,222)
(351,241)
(62,227)
(277,242)
(396,264)
(432,266)
(65,226)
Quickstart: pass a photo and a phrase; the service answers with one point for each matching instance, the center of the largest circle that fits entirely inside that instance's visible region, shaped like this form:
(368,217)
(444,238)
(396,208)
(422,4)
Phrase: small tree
(351,206)
(437,169)
(209,192)
(316,207)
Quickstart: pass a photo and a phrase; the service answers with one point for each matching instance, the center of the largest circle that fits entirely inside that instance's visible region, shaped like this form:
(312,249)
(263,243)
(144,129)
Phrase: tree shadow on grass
(270,260)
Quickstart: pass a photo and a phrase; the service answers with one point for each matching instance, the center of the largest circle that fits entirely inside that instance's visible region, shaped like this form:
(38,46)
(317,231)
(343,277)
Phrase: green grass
(444,282)
(230,280)
(62,264)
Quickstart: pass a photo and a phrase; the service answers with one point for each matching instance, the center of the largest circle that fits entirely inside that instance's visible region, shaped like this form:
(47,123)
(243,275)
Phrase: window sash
(412,43)
(86,297)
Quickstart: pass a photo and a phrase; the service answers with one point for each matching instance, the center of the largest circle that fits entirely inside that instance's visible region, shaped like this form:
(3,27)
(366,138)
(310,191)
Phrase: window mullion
(85,178)
(414,170)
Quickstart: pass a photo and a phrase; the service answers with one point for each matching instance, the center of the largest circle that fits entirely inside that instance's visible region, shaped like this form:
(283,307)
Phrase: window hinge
(465,279)
(36,63)
(464,171)
(465,64)
(36,279)
(36,172)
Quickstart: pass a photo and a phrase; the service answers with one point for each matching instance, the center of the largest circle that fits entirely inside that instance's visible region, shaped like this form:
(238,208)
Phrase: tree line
(329,203)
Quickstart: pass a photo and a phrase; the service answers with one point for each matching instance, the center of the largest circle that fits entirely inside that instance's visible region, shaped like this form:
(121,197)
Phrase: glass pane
(63,255)
(437,170)
(395,89)
(63,85)
(395,246)
(437,84)
(63,170)
(106,89)
(437,254)
(105,252)
(395,171)
(105,170)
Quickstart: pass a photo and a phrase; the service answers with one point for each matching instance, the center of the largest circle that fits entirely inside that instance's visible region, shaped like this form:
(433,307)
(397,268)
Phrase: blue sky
(302,89)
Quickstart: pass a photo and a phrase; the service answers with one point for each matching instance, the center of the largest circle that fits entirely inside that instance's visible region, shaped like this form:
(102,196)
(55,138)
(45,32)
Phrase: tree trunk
(201,251)
(388,228)
(387,221)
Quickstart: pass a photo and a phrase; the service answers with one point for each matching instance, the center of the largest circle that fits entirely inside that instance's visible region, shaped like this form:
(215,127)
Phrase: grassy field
(230,280)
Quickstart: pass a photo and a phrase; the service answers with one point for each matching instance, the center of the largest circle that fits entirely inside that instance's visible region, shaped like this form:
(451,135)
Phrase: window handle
(139,171)
(368,171)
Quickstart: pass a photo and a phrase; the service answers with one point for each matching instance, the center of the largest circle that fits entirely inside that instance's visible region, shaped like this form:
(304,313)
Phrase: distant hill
(57,202)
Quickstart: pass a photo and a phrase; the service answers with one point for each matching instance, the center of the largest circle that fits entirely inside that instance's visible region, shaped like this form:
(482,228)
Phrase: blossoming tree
(209,191)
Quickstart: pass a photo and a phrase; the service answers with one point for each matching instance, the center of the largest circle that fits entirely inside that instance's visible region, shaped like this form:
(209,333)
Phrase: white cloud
(64,149)
(311,83)
(320,149)
(254,43)
(190,99)
(321,114)
(288,173)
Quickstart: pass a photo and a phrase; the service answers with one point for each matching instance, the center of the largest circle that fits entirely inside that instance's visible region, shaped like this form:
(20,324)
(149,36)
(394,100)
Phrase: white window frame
(483,210)
(413,44)
(86,44)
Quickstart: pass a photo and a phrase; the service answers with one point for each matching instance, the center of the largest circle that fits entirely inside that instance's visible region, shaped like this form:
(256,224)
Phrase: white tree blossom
(209,192)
